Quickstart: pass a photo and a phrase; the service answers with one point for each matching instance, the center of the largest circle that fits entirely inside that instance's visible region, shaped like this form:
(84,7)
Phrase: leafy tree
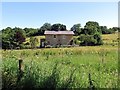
(12,38)
(87,40)
(84,31)
(45,27)
(92,27)
(31,31)
(104,29)
(115,29)
(7,38)
(91,34)
(110,31)
(90,40)
(76,29)
(19,37)
(58,27)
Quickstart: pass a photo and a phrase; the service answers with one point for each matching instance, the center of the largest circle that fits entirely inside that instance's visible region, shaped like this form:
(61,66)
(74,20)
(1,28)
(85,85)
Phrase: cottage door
(59,42)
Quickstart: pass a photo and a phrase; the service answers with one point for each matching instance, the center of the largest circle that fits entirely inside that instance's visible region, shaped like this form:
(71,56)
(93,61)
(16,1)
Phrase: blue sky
(35,14)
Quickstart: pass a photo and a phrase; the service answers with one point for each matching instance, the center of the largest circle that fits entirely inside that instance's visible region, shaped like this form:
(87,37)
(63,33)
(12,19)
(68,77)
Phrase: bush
(90,40)
(99,39)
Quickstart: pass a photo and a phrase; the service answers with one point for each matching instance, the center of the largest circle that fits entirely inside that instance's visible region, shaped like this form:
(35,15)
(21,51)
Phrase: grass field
(110,39)
(75,67)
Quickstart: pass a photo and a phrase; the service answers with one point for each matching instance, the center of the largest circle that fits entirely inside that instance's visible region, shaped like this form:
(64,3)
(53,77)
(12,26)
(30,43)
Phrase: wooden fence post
(20,69)
(92,87)
(20,65)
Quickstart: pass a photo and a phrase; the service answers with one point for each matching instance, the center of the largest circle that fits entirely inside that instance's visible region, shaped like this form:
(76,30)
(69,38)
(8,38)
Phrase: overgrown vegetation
(63,68)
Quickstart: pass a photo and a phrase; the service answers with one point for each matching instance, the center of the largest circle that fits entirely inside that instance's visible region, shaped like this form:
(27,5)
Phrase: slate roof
(59,32)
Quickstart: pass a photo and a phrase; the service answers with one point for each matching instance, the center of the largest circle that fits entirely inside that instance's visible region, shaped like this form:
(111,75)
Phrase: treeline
(89,35)
(89,28)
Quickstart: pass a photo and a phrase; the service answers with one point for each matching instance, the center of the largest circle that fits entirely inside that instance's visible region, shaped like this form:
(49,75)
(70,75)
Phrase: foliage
(91,28)
(90,40)
(87,40)
(76,29)
(12,38)
(105,30)
(91,34)
(116,29)
(45,27)
(31,32)
(19,37)
(58,27)
(7,37)
(98,38)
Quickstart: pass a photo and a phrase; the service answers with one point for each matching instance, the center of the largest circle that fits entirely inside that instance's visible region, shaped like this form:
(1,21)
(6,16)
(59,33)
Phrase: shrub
(90,40)
(87,40)
(98,39)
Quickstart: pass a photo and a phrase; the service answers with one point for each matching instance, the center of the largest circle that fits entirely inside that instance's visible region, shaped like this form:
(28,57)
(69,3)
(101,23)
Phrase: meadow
(74,67)
(62,68)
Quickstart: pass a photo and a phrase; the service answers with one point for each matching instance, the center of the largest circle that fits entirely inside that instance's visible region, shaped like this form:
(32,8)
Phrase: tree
(104,29)
(87,40)
(19,37)
(12,38)
(90,40)
(31,31)
(7,38)
(110,31)
(76,29)
(58,27)
(45,27)
(92,27)
(116,29)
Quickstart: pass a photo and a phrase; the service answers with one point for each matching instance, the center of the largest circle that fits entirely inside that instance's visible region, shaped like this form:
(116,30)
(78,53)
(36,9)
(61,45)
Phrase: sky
(35,14)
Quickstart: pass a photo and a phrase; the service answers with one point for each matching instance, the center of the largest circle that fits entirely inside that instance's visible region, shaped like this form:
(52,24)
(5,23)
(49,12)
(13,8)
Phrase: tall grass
(61,68)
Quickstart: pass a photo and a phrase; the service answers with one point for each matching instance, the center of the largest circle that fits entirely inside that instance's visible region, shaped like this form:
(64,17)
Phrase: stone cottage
(54,38)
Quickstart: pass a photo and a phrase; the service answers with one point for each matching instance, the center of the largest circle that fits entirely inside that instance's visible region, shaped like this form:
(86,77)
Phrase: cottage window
(54,36)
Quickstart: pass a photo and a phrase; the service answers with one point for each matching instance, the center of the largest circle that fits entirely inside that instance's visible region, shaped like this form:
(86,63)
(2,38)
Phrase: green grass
(110,39)
(62,67)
